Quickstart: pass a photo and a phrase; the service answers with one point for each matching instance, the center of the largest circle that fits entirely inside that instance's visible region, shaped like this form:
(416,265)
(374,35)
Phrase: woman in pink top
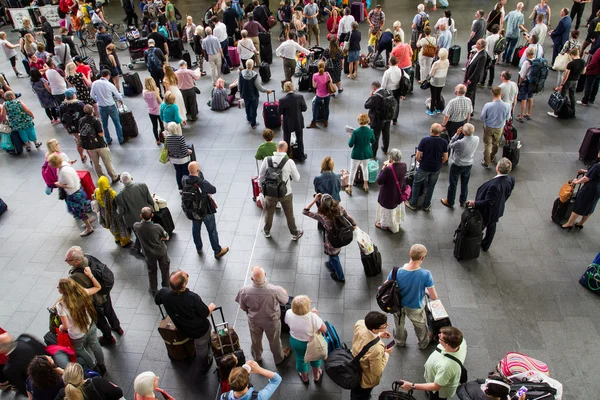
(320,80)
(403,53)
(153,100)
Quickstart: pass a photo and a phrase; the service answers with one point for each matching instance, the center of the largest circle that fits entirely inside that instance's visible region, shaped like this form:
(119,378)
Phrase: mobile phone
(390,344)
(522,391)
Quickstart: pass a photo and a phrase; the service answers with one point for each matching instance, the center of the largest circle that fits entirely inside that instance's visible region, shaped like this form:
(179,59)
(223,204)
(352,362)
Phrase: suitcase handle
(274,98)
(212,318)
(162,313)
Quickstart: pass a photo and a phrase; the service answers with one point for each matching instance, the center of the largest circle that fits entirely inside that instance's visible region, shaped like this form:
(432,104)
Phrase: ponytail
(73,392)
(321,67)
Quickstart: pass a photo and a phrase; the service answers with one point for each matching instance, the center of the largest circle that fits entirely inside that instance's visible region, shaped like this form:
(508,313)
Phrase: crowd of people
(70,93)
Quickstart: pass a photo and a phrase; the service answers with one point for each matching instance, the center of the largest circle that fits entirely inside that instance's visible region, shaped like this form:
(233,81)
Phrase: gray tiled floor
(522,295)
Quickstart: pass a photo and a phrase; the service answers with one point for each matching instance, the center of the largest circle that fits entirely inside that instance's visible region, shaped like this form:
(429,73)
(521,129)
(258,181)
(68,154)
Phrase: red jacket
(593,67)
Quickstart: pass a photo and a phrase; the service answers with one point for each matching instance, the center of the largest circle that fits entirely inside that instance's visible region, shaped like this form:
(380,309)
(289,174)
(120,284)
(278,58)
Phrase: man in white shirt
(345,25)
(62,51)
(540,29)
(538,50)
(287,50)
(525,96)
(492,57)
(289,172)
(391,81)
(56,79)
(509,90)
(220,32)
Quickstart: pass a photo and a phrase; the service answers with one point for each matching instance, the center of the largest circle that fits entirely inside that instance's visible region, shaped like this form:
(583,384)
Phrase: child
(371,43)
(41,52)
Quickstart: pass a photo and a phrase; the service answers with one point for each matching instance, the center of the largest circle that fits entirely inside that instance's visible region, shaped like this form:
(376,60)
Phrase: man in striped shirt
(458,111)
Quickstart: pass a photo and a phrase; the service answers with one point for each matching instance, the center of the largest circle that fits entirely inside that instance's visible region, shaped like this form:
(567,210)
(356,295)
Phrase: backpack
(464,375)
(500,45)
(87,136)
(253,396)
(389,105)
(193,202)
(423,22)
(70,117)
(274,185)
(538,74)
(344,369)
(101,272)
(152,61)
(388,295)
(49,175)
(342,232)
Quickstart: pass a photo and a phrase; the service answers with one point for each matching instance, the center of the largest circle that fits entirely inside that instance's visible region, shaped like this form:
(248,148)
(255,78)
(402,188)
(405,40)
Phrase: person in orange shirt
(403,53)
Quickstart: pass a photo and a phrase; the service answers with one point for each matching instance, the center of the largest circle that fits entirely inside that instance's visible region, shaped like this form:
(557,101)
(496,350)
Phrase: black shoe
(101,369)
(335,277)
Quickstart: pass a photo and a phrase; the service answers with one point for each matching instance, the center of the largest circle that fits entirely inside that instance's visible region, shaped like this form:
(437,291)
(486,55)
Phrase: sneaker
(484,165)
(463,69)
(428,208)
(581,103)
(223,251)
(255,126)
(481,85)
(429,112)
(107,341)
(267,234)
(551,113)
(490,86)
(86,232)
(438,111)
(297,236)
(334,276)
(407,204)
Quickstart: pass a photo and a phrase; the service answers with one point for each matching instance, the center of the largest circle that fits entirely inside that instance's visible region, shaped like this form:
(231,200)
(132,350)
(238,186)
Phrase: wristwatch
(412,386)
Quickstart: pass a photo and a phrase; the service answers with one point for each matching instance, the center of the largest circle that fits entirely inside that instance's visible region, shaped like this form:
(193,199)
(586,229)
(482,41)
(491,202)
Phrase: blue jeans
(335,265)
(426,179)
(251,107)
(315,108)
(456,171)
(113,113)
(213,235)
(181,170)
(512,43)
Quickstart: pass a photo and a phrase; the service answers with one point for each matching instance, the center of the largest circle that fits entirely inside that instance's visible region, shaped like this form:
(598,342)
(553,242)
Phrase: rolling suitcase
(264,70)
(271,113)
(512,151)
(304,81)
(346,65)
(468,235)
(562,211)
(331,337)
(234,56)
(266,51)
(371,262)
(437,320)
(163,218)
(396,393)
(134,81)
(284,308)
(175,48)
(87,184)
(588,151)
(358,11)
(17,143)
(224,339)
(178,346)
(454,55)
(128,123)
(255,188)
(187,58)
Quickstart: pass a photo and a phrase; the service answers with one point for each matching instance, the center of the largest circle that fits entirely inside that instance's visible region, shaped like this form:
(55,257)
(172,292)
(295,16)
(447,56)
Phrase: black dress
(336,70)
(83,92)
(589,193)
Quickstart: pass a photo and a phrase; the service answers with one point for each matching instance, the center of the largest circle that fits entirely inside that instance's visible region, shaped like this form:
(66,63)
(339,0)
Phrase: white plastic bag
(365,244)
(535,376)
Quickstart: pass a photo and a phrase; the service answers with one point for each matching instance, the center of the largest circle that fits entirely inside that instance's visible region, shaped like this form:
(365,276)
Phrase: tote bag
(316,349)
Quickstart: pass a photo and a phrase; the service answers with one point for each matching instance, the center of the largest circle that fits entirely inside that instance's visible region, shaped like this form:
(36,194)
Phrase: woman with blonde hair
(53,147)
(82,85)
(78,388)
(169,111)
(437,81)
(361,140)
(78,318)
(144,386)
(115,65)
(299,26)
(303,323)
(170,82)
(328,182)
(105,196)
(28,45)
(320,81)
(152,98)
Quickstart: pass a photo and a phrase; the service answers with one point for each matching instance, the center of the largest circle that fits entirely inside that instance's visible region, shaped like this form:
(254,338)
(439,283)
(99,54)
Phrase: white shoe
(551,113)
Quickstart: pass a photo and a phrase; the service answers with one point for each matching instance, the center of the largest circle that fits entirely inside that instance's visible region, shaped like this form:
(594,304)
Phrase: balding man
(274,192)
(458,111)
(432,152)
(261,301)
(152,238)
(189,314)
(514,23)
(107,318)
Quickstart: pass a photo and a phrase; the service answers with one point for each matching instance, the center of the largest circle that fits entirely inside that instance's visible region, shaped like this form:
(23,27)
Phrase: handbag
(561,61)
(316,349)
(566,191)
(404,195)
(425,84)
(5,128)
(164,155)
(63,339)
(429,49)
(364,241)
(7,143)
(62,193)
(331,88)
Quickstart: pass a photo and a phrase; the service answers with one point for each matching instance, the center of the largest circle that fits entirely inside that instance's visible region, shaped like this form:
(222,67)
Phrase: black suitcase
(128,123)
(346,65)
(284,308)
(588,151)
(435,326)
(3,207)
(266,51)
(396,393)
(264,71)
(187,58)
(163,218)
(178,346)
(18,144)
(516,58)
(468,235)
(512,152)
(562,211)
(133,80)
(128,90)
(371,262)
(580,84)
(304,82)
(454,55)
(175,48)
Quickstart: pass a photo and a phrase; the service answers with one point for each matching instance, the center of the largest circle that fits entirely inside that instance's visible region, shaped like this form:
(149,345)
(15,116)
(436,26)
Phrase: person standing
(171,18)
(592,80)
(151,96)
(437,81)
(289,172)
(577,11)
(220,32)
(443,367)
(368,333)
(376,19)
(253,28)
(463,145)
(494,116)
(287,51)
(428,46)
(361,140)
(444,40)
(109,217)
(560,34)
(91,137)
(155,59)
(432,153)
(334,56)
(10,53)
(587,198)
(261,302)
(379,125)
(132,198)
(491,198)
(320,81)
(178,152)
(514,22)
(250,85)
(392,186)
(187,85)
(474,71)
(509,91)
(540,29)
(189,314)
(62,51)
(160,41)
(353,50)
(246,49)
(196,179)
(569,80)
(391,81)
(492,57)
(105,93)
(414,283)
(152,239)
(311,13)
(131,18)
(525,95)
(345,26)
(291,107)
(328,182)
(477,30)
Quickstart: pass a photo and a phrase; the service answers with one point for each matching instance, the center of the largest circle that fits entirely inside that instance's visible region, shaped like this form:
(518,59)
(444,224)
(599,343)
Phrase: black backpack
(87,135)
(464,375)
(500,45)
(423,22)
(101,272)
(70,115)
(342,232)
(538,74)
(388,105)
(388,295)
(343,368)
(273,184)
(193,202)
(471,223)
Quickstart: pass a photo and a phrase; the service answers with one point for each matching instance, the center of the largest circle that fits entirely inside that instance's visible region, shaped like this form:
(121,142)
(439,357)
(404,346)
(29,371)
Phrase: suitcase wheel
(130,65)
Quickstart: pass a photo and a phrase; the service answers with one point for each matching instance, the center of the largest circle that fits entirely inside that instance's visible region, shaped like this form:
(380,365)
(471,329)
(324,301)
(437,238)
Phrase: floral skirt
(391,219)
(78,205)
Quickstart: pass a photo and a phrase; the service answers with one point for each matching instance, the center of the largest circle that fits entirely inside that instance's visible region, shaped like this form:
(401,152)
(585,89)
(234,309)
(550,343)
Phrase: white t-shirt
(57,83)
(491,43)
(509,90)
(68,176)
(8,52)
(301,326)
(74,332)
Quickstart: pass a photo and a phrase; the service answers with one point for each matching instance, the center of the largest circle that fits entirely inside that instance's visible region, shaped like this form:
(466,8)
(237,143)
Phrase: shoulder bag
(331,88)
(316,349)
(404,195)
(429,49)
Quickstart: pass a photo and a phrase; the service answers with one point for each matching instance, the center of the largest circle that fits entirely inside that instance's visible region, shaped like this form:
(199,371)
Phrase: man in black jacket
(375,106)
(195,181)
(20,352)
(291,107)
(475,67)
(189,313)
(230,20)
(261,14)
(491,197)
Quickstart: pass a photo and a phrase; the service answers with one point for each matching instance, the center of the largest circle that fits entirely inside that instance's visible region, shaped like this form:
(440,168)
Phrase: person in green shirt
(171,18)
(268,148)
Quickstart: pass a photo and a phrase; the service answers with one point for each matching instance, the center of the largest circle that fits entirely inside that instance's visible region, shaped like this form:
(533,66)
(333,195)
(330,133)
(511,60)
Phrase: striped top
(178,150)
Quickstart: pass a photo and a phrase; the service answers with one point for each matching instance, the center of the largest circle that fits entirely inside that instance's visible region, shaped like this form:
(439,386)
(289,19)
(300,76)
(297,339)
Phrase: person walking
(587,197)
(152,239)
(179,152)
(91,137)
(10,52)
(287,51)
(494,116)
(105,196)
(291,107)
(132,198)
(155,58)
(105,93)
(392,193)
(196,179)
(212,47)
(462,148)
(289,172)
(437,81)
(569,80)
(250,85)
(320,104)
(491,198)
(153,101)
(261,302)
(361,140)
(380,126)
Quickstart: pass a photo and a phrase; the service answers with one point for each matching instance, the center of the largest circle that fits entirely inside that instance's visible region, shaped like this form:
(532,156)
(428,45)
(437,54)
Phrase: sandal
(28,148)
(383,228)
(527,116)
(320,378)
(302,379)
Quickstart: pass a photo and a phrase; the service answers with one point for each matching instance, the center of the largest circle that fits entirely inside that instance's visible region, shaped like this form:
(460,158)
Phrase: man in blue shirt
(431,154)
(514,22)
(105,93)
(494,116)
(413,283)
(239,379)
(445,37)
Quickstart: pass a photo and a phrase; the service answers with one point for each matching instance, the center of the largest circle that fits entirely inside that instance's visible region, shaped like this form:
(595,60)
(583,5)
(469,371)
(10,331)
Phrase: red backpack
(49,174)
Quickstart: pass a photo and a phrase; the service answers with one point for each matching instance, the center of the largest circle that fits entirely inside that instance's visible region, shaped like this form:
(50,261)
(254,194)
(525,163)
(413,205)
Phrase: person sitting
(219,97)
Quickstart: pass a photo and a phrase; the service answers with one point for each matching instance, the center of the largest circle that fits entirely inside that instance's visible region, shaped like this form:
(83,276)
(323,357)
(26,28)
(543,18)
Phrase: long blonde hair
(170,76)
(52,146)
(70,69)
(150,85)
(79,303)
(73,379)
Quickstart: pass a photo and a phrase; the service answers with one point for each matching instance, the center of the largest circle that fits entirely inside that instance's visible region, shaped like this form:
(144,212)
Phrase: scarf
(103,188)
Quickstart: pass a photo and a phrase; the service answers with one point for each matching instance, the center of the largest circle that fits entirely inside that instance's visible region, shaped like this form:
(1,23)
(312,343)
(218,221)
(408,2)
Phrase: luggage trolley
(137,45)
